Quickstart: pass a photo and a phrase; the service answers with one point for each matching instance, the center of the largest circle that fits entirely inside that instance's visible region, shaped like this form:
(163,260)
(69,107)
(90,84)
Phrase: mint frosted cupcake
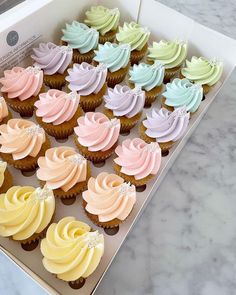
(82,39)
(203,71)
(181,93)
(137,37)
(116,58)
(149,78)
(105,21)
(171,54)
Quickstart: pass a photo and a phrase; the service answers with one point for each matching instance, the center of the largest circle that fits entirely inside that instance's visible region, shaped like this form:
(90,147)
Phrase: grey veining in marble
(185,241)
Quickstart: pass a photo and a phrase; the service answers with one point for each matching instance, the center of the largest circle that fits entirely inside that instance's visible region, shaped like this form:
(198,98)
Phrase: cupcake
(108,200)
(71,250)
(137,162)
(203,71)
(116,58)
(96,136)
(105,21)
(149,78)
(22,143)
(171,54)
(137,37)
(165,127)
(57,112)
(54,61)
(25,213)
(90,82)
(5,114)
(64,171)
(181,93)
(21,87)
(82,39)
(5,177)
(125,104)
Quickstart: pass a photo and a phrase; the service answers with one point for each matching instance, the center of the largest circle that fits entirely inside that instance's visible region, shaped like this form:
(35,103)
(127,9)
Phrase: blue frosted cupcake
(149,78)
(181,92)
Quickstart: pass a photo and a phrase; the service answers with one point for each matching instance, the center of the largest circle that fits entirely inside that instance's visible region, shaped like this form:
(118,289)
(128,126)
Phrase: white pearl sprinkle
(101,68)
(93,239)
(114,11)
(33,70)
(72,95)
(42,193)
(34,130)
(76,159)
(152,147)
(126,188)
(125,46)
(66,49)
(113,123)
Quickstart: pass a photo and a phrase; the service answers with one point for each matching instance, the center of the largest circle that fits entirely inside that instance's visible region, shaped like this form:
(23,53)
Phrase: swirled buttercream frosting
(3,109)
(3,167)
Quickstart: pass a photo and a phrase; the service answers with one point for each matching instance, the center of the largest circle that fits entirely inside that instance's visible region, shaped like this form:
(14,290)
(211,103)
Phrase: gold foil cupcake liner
(108,37)
(137,55)
(7,183)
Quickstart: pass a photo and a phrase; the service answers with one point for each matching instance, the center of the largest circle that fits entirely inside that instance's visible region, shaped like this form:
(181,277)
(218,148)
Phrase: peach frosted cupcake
(108,200)
(96,136)
(71,250)
(5,177)
(64,171)
(124,104)
(137,162)
(54,61)
(21,87)
(25,213)
(5,114)
(90,82)
(22,143)
(57,112)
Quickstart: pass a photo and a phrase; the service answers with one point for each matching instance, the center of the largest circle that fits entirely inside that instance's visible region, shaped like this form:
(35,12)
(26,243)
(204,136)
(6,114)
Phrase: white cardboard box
(41,20)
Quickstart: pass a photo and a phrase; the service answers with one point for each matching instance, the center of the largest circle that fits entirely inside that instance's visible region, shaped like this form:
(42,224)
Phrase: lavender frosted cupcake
(125,104)
(90,82)
(165,127)
(54,61)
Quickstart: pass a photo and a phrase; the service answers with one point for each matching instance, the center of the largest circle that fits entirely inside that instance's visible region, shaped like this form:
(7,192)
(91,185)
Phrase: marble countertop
(185,241)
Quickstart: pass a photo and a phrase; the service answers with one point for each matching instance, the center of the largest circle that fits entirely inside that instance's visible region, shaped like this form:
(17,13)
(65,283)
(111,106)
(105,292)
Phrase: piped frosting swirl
(3,109)
(3,167)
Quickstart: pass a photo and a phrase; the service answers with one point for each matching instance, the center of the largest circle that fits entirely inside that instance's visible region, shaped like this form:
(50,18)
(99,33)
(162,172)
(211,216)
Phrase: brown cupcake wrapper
(169,108)
(63,130)
(7,183)
(171,73)
(6,119)
(137,55)
(55,81)
(108,37)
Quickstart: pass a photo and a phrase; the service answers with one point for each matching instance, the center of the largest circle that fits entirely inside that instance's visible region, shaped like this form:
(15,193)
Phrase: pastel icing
(57,107)
(109,197)
(183,93)
(203,71)
(86,79)
(124,101)
(166,126)
(3,109)
(3,167)
(51,58)
(70,250)
(96,132)
(81,37)
(62,168)
(170,53)
(21,138)
(103,19)
(134,35)
(138,158)
(24,211)
(22,83)
(113,55)
(147,76)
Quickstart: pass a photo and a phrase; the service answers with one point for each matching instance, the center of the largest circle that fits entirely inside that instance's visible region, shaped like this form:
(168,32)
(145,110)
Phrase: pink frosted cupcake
(64,171)
(21,87)
(57,112)
(97,136)
(137,161)
(5,114)
(90,82)
(54,61)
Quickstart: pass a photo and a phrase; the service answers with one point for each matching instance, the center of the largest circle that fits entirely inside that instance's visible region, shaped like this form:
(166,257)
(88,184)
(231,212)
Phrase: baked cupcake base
(108,37)
(126,124)
(63,130)
(95,157)
(6,119)
(29,163)
(81,57)
(7,183)
(137,55)
(171,73)
(55,81)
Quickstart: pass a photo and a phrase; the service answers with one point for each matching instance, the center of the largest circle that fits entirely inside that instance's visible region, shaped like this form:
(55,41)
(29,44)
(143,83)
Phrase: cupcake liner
(126,124)
(206,88)
(171,73)
(6,119)
(7,183)
(80,57)
(95,157)
(29,163)
(108,37)
(26,107)
(169,108)
(55,81)
(130,178)
(94,218)
(75,190)
(137,55)
(63,130)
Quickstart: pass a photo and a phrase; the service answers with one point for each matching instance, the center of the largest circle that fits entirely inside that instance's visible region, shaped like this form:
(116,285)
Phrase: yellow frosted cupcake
(71,250)
(25,213)
(5,177)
